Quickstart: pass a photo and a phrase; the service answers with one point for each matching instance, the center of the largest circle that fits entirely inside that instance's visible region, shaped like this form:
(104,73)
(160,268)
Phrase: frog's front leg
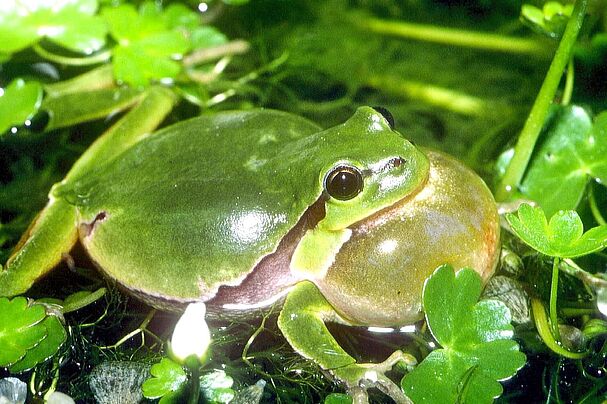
(52,234)
(302,322)
(55,230)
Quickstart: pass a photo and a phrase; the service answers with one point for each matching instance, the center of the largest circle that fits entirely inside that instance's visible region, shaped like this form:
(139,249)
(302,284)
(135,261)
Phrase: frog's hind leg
(52,234)
(302,322)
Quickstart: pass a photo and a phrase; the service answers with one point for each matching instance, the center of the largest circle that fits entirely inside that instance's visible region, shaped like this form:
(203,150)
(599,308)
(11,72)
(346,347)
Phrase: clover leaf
(68,23)
(563,236)
(205,37)
(178,15)
(216,387)
(28,335)
(21,328)
(477,350)
(167,378)
(55,337)
(149,42)
(19,101)
(572,152)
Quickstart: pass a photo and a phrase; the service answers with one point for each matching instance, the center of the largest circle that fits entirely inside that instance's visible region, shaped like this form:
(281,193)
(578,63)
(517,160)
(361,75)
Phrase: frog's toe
(360,377)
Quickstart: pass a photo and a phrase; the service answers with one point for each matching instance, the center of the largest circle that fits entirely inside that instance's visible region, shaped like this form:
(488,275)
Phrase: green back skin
(197,205)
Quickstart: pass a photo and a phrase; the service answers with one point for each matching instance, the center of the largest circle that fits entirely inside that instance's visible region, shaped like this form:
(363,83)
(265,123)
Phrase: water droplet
(601,300)
(38,122)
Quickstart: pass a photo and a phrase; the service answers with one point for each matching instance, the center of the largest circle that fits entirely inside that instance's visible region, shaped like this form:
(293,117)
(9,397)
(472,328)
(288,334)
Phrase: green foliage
(68,23)
(338,398)
(147,45)
(562,237)
(28,335)
(477,349)
(216,387)
(167,378)
(235,2)
(18,102)
(72,108)
(81,299)
(550,20)
(151,40)
(55,337)
(21,328)
(572,152)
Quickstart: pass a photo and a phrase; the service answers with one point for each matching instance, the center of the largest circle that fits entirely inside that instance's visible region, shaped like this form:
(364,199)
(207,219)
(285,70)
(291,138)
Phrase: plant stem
(64,60)
(221,97)
(596,212)
(83,302)
(577,312)
(543,329)
(95,79)
(568,91)
(454,36)
(194,365)
(553,298)
(539,111)
(141,329)
(245,351)
(441,97)
(207,55)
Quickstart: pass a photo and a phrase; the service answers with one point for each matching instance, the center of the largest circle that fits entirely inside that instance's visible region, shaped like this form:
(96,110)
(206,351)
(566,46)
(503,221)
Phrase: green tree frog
(240,209)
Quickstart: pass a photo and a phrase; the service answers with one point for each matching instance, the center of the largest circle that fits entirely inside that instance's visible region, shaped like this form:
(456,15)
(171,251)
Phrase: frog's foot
(360,377)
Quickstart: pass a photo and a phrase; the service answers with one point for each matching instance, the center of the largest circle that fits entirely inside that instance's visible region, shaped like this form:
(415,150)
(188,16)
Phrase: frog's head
(365,167)
(372,166)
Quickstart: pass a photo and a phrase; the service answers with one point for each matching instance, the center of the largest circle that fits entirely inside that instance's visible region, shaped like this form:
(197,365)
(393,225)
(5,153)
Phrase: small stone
(118,382)
(512,294)
(58,397)
(251,394)
(12,391)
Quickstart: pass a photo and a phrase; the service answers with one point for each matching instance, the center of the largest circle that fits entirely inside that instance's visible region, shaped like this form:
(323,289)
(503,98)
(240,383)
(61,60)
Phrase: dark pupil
(344,183)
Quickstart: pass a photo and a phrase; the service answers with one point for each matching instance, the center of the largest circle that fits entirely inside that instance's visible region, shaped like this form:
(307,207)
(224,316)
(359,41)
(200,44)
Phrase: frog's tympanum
(240,209)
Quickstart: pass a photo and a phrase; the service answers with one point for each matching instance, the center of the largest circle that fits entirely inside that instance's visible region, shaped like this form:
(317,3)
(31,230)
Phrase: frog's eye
(386,114)
(344,182)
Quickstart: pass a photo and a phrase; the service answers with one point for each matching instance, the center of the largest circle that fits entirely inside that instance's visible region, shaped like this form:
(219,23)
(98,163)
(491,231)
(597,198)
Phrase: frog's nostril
(386,114)
(396,162)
